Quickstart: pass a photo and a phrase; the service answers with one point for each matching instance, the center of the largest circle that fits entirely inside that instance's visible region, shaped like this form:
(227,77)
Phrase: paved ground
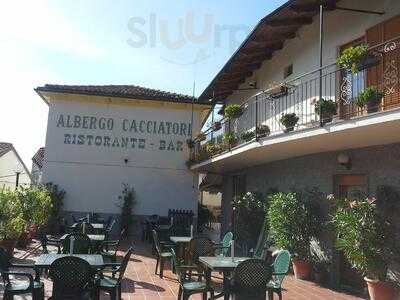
(141,283)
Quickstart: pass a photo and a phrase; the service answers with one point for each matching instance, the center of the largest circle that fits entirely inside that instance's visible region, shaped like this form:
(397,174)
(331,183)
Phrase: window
(288,71)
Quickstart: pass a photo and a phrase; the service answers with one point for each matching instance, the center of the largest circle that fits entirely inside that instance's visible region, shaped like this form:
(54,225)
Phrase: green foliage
(57,198)
(128,198)
(325,107)
(12,222)
(229,138)
(263,130)
(213,148)
(233,111)
(363,235)
(352,56)
(204,217)
(201,137)
(294,221)
(289,120)
(248,135)
(250,211)
(370,96)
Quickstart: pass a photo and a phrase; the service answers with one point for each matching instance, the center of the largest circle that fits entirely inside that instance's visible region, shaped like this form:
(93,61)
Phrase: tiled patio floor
(141,283)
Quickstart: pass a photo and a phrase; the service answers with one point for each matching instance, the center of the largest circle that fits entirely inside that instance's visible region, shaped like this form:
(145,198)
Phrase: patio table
(221,264)
(45,260)
(95,239)
(96,226)
(181,244)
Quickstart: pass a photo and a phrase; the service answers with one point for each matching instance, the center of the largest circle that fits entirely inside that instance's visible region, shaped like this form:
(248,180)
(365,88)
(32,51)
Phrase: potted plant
(230,139)
(248,135)
(277,90)
(213,148)
(263,131)
(365,238)
(201,137)
(293,224)
(369,98)
(357,58)
(216,126)
(289,121)
(326,109)
(233,111)
(12,223)
(320,270)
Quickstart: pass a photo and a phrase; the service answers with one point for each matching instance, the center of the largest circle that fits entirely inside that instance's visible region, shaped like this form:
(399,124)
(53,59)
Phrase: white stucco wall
(92,176)
(9,165)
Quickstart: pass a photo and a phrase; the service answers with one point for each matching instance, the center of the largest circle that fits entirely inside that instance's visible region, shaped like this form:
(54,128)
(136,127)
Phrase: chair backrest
(4,260)
(175,265)
(124,263)
(71,276)
(226,242)
(110,226)
(81,244)
(86,228)
(251,277)
(156,241)
(200,246)
(43,243)
(74,219)
(281,266)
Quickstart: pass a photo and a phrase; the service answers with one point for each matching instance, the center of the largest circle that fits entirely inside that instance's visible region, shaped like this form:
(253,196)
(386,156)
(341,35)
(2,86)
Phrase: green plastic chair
(162,254)
(13,288)
(223,248)
(82,244)
(281,267)
(112,284)
(187,286)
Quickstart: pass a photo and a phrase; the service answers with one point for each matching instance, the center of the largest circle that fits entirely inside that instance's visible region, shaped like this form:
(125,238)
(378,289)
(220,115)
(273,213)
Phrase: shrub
(233,111)
(369,96)
(248,135)
(289,120)
(293,223)
(325,107)
(128,197)
(12,222)
(230,138)
(204,217)
(57,198)
(263,130)
(351,57)
(363,235)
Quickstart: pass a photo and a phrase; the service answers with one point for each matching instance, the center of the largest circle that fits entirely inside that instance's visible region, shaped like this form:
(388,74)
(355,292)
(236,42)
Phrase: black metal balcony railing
(297,99)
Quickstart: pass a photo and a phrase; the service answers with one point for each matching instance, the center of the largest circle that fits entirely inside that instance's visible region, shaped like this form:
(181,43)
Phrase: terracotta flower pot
(301,269)
(380,290)
(9,246)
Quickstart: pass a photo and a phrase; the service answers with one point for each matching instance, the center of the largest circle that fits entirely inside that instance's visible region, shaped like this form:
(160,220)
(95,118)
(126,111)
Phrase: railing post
(229,133)
(256,119)
(321,40)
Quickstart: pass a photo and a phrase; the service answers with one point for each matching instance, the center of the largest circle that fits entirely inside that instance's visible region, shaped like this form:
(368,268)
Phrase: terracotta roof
(268,36)
(123,91)
(5,148)
(38,157)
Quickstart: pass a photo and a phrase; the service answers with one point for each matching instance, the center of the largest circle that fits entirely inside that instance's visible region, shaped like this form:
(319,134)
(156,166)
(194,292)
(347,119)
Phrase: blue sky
(111,42)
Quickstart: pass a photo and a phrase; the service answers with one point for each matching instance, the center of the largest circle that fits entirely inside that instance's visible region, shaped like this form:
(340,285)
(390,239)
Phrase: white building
(37,166)
(13,171)
(101,137)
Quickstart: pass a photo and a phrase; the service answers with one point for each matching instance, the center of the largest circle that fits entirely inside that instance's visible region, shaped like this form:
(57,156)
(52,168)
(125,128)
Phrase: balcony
(290,114)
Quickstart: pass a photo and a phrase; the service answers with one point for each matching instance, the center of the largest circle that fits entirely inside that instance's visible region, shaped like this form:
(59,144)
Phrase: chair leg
(119,290)
(180,293)
(279,294)
(162,261)
(270,295)
(185,296)
(113,295)
(205,296)
(38,294)
(8,296)
(158,261)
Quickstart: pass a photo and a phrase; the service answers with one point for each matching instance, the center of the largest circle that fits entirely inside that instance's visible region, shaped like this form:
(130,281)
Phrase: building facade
(99,138)
(276,71)
(13,171)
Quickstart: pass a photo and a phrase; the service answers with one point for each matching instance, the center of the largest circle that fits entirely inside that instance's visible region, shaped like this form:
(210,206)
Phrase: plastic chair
(112,285)
(280,268)
(82,244)
(73,278)
(162,255)
(13,288)
(200,246)
(223,248)
(187,286)
(109,249)
(250,279)
(48,241)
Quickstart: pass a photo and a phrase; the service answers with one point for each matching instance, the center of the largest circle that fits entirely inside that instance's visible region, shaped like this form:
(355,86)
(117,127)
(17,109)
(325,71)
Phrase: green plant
(12,223)
(128,197)
(36,204)
(289,120)
(352,56)
(293,223)
(325,107)
(263,130)
(230,138)
(248,135)
(201,137)
(213,148)
(204,217)
(370,96)
(363,235)
(57,200)
(249,214)
(233,111)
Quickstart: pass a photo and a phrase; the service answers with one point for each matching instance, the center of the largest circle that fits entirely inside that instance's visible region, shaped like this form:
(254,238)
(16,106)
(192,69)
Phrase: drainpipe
(321,40)
(17,179)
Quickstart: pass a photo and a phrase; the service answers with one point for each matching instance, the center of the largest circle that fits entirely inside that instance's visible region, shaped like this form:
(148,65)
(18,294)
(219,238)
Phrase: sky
(159,44)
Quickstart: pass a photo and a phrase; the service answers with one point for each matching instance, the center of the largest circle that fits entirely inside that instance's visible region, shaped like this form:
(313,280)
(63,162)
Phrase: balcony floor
(141,283)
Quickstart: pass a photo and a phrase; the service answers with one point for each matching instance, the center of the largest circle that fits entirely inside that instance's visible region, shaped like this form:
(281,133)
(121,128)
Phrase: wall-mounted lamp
(344,160)
(126,160)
